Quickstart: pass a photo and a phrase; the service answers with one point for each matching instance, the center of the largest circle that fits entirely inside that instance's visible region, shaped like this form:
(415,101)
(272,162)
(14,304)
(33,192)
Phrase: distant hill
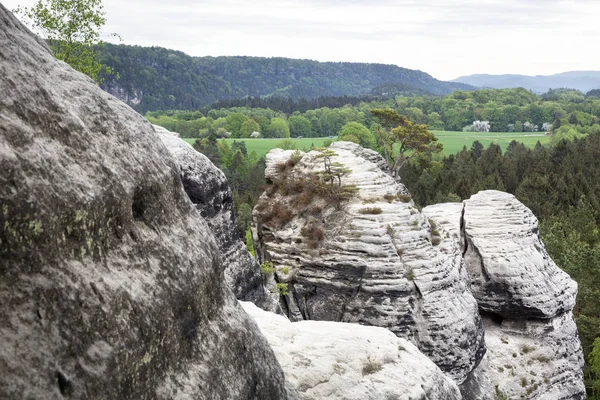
(153,78)
(580,80)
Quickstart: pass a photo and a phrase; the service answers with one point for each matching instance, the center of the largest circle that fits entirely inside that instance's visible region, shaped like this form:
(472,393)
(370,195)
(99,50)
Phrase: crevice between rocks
(467,244)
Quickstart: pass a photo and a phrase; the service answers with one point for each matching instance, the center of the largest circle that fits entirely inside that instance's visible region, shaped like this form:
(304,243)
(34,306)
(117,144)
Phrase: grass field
(263,146)
(453,141)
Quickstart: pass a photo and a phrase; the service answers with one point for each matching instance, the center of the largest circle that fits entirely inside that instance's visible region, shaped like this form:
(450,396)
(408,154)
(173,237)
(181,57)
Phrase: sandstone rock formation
(379,262)
(525,299)
(208,189)
(333,360)
(111,284)
(374,259)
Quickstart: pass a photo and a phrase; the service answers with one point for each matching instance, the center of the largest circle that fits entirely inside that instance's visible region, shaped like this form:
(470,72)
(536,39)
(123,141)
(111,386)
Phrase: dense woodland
(154,78)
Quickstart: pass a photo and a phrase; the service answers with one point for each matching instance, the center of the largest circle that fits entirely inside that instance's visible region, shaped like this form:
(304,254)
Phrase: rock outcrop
(369,256)
(208,189)
(525,299)
(333,360)
(375,261)
(111,284)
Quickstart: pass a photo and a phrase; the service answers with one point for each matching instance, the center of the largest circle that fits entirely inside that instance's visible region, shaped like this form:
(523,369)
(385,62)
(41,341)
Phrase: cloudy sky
(445,38)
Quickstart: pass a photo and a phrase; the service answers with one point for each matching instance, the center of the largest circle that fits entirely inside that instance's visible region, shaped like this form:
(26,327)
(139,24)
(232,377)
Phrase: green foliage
(282,289)
(279,128)
(594,361)
(300,126)
(286,144)
(357,133)
(72,29)
(250,242)
(411,140)
(267,268)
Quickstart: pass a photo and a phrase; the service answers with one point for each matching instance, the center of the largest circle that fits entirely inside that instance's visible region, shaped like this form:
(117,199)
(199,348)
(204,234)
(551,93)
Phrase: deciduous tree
(72,29)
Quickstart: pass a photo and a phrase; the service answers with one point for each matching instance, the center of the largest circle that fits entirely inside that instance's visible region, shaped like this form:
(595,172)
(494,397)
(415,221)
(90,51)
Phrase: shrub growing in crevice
(371,210)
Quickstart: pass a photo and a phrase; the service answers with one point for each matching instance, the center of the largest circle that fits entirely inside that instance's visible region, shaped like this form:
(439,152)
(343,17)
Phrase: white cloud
(445,38)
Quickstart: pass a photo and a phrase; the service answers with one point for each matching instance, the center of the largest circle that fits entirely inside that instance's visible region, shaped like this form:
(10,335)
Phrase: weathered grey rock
(111,284)
(529,359)
(377,269)
(207,187)
(533,347)
(332,360)
(510,271)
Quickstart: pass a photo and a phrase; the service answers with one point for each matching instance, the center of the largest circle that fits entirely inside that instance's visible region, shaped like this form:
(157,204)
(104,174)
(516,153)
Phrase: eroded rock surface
(510,271)
(111,284)
(525,299)
(374,260)
(207,187)
(332,360)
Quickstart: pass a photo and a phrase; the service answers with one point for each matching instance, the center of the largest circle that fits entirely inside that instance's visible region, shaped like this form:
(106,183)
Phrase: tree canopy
(398,132)
(72,29)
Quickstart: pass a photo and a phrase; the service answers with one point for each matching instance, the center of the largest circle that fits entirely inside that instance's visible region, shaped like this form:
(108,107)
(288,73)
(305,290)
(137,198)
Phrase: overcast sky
(445,38)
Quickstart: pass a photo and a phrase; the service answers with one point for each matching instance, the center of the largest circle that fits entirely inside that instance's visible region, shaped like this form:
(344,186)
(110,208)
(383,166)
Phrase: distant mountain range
(153,78)
(580,80)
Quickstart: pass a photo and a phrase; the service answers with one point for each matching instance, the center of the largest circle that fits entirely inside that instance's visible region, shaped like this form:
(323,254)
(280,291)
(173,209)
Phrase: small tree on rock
(332,176)
(402,140)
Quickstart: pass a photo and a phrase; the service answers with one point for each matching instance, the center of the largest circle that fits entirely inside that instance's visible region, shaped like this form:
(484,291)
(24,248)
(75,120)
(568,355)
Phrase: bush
(314,233)
(389,197)
(267,268)
(405,198)
(278,215)
(527,349)
(370,210)
(371,366)
(282,289)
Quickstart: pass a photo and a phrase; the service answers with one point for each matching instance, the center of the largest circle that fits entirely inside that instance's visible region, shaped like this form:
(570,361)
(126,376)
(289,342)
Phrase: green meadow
(263,146)
(453,141)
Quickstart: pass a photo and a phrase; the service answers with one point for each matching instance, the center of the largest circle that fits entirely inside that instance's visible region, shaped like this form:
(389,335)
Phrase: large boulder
(510,271)
(372,259)
(333,360)
(111,284)
(208,189)
(526,301)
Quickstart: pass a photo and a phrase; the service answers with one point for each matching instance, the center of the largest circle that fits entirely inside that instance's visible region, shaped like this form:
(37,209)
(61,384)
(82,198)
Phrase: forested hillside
(154,78)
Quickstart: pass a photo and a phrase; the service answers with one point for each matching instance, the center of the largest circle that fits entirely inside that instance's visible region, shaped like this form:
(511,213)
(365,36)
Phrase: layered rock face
(525,299)
(378,262)
(111,284)
(333,360)
(427,276)
(208,189)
